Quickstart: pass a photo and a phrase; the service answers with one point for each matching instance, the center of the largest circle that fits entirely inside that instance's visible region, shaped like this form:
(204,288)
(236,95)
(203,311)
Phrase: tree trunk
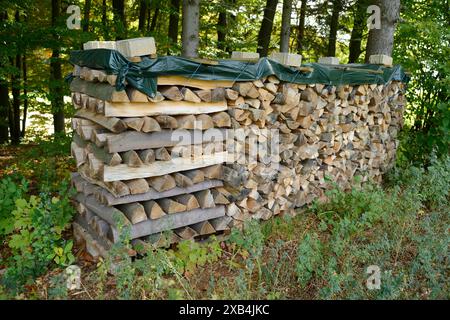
(222,27)
(119,18)
(190,37)
(87,11)
(266,28)
(285,26)
(301,27)
(381,41)
(334,26)
(174,20)
(4,96)
(154,19)
(104,18)
(359,22)
(15,90)
(143,8)
(56,81)
(4,110)
(25,95)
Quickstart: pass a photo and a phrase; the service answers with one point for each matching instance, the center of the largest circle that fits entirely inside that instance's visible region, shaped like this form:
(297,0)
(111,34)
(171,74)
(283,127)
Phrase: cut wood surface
(195,83)
(135,212)
(166,107)
(153,209)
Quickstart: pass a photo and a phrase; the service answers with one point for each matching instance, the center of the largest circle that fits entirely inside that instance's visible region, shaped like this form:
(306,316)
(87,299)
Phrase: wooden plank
(99,90)
(109,214)
(195,83)
(176,220)
(166,107)
(132,140)
(158,168)
(113,124)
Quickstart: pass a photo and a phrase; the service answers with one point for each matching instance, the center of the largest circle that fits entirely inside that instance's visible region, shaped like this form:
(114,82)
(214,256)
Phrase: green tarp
(143,75)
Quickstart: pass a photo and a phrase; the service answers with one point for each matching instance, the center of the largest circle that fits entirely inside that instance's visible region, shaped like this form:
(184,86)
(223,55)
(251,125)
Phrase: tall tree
(25,94)
(119,18)
(190,36)
(4,93)
(286,26)
(359,22)
(174,19)
(14,115)
(381,41)
(154,20)
(104,10)
(56,81)
(334,26)
(87,12)
(266,27)
(143,8)
(301,26)
(222,26)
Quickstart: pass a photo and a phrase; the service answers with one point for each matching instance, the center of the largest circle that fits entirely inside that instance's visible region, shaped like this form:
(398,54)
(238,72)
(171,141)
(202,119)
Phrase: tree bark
(266,28)
(25,95)
(334,26)
(56,81)
(143,8)
(190,36)
(4,97)
(104,18)
(174,19)
(154,19)
(119,16)
(301,27)
(286,26)
(222,26)
(381,41)
(87,11)
(359,22)
(15,90)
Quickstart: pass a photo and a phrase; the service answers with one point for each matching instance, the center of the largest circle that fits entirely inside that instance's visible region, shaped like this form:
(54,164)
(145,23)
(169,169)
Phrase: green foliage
(10,191)
(423,47)
(36,238)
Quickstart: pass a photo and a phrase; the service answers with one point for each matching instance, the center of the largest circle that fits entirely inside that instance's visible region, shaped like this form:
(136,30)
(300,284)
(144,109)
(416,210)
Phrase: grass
(322,253)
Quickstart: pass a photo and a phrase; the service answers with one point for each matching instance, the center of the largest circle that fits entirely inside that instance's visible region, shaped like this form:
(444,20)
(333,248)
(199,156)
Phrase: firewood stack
(324,132)
(133,169)
(153,164)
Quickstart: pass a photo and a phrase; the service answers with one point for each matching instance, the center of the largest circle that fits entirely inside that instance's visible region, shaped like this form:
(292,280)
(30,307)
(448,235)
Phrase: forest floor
(324,252)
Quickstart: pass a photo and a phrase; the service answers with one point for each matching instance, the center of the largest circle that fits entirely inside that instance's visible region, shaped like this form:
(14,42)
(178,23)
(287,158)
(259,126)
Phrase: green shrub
(36,237)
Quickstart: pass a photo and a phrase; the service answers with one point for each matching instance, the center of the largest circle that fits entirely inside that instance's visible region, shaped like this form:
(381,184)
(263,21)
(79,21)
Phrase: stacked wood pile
(134,172)
(324,131)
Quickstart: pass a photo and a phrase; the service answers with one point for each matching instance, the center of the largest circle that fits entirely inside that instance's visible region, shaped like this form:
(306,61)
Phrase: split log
(205,199)
(134,212)
(131,159)
(170,206)
(188,95)
(171,93)
(150,125)
(153,210)
(162,183)
(188,200)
